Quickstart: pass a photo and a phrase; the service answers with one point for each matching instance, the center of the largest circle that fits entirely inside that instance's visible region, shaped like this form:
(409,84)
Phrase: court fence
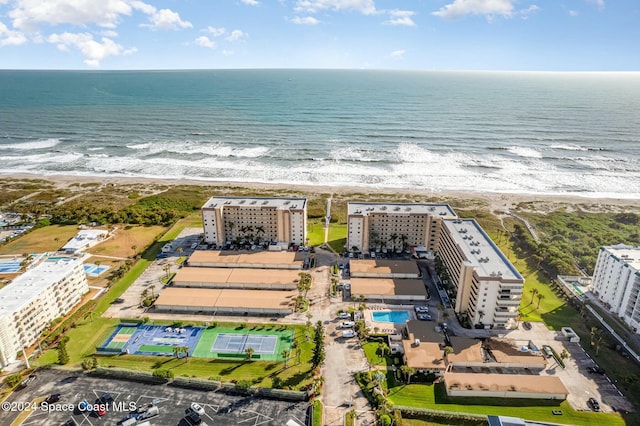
(214,385)
(124,374)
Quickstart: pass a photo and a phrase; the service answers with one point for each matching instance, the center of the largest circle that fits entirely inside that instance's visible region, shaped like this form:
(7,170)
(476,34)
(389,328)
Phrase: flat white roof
(433,209)
(256,202)
(28,286)
(83,238)
(627,254)
(480,250)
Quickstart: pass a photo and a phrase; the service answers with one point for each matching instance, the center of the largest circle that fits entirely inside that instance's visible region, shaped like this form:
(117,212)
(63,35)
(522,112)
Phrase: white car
(422,309)
(344,315)
(347,324)
(196,408)
(348,333)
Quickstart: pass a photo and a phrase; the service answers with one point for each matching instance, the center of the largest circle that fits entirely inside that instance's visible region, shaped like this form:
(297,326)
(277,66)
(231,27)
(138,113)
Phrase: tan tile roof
(383,266)
(506,382)
(236,275)
(205,297)
(388,286)
(239,257)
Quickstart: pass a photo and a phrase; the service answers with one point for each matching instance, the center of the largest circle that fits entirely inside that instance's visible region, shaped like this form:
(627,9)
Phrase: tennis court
(94,270)
(9,267)
(119,338)
(238,343)
(267,342)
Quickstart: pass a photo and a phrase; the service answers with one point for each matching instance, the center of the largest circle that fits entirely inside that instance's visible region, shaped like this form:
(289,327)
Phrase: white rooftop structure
(626,254)
(85,239)
(278,203)
(432,209)
(480,250)
(28,286)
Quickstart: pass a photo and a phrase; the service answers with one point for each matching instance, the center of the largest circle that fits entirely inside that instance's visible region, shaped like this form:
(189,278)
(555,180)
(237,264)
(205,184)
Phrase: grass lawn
(317,412)
(315,233)
(49,238)
(126,238)
(337,236)
(435,397)
(373,355)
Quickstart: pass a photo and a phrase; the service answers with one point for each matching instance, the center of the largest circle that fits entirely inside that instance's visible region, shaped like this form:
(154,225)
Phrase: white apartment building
(34,299)
(616,281)
(394,226)
(226,219)
(489,287)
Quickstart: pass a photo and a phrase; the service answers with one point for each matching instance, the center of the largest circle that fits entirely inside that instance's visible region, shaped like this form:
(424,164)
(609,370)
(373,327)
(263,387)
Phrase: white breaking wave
(139,146)
(39,144)
(569,147)
(524,152)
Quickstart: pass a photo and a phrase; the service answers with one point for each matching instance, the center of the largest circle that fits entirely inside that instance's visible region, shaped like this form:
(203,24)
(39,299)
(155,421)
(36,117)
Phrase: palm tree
(448,350)
(540,296)
(259,230)
(179,250)
(393,237)
(286,354)
(152,287)
(564,354)
(231,225)
(249,352)
(133,248)
(408,372)
(533,292)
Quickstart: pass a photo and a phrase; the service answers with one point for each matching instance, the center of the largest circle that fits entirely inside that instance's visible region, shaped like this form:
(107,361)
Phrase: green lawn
(315,233)
(337,237)
(317,412)
(373,355)
(435,397)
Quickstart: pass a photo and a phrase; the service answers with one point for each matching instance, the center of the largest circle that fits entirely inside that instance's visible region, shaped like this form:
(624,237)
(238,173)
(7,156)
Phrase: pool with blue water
(396,317)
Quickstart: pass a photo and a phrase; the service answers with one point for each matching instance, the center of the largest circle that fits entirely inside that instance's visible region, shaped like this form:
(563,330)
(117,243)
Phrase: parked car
(348,334)
(593,404)
(347,287)
(119,300)
(54,397)
(526,325)
(105,399)
(193,418)
(424,317)
(422,309)
(344,315)
(197,408)
(595,370)
(23,384)
(347,324)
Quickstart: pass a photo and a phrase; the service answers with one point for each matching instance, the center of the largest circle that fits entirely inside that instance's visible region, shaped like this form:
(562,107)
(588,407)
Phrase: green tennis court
(116,345)
(156,348)
(205,347)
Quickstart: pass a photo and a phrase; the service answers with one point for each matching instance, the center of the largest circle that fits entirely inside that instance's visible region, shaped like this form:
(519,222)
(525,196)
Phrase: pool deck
(386,327)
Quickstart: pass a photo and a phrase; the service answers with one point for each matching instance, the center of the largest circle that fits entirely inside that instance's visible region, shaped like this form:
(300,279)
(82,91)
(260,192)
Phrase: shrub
(166,374)
(13,379)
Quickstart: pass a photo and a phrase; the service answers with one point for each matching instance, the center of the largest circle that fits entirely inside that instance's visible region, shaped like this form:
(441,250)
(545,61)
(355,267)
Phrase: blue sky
(535,35)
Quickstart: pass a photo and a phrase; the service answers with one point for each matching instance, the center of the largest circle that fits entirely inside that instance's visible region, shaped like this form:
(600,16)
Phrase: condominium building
(616,281)
(34,299)
(227,219)
(488,286)
(395,226)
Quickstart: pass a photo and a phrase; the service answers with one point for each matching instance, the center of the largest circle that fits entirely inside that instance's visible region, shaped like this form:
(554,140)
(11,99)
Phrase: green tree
(407,372)
(539,296)
(63,355)
(533,292)
(286,354)
(13,379)
(249,352)
(318,349)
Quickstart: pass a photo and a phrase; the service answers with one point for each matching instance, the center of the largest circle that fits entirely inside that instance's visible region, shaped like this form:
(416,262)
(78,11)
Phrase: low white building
(34,299)
(616,281)
(84,239)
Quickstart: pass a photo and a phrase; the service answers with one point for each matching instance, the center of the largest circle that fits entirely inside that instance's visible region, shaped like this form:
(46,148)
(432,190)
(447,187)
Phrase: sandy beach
(495,202)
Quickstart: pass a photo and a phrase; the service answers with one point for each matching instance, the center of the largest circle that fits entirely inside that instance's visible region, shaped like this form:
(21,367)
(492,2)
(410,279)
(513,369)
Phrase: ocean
(500,132)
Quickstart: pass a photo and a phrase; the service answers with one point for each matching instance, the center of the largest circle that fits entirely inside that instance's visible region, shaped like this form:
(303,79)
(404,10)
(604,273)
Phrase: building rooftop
(628,254)
(28,286)
(435,209)
(504,382)
(424,331)
(226,298)
(236,275)
(84,237)
(256,202)
(480,251)
(466,350)
(426,355)
(388,286)
(375,266)
(247,257)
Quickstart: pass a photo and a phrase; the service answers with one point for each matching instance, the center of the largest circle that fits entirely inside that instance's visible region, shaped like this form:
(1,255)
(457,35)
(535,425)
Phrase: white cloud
(205,41)
(10,37)
(93,51)
(400,17)
(573,13)
(216,32)
(235,36)
(251,2)
(109,33)
(28,14)
(460,8)
(366,7)
(165,19)
(599,3)
(305,20)
(398,54)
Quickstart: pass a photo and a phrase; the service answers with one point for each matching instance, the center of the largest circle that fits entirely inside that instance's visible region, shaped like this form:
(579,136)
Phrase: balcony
(508,301)
(505,312)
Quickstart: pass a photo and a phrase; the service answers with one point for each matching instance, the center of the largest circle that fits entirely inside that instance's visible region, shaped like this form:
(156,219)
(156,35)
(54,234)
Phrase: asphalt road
(220,409)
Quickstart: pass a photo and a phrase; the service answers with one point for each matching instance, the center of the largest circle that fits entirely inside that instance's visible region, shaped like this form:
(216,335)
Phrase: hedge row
(447,417)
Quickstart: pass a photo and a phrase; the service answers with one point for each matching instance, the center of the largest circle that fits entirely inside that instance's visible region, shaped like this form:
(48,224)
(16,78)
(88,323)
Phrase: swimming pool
(396,317)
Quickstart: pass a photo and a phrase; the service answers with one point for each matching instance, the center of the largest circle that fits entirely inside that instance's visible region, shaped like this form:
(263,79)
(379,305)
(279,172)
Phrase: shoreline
(496,200)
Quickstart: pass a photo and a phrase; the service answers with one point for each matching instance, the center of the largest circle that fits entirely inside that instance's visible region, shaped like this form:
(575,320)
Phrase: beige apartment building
(34,299)
(227,219)
(489,287)
(395,226)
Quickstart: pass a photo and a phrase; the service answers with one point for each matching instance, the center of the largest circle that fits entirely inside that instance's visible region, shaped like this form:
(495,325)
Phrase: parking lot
(220,409)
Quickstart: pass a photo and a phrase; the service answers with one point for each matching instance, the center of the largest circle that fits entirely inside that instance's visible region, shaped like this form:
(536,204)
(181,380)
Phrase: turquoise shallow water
(497,132)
